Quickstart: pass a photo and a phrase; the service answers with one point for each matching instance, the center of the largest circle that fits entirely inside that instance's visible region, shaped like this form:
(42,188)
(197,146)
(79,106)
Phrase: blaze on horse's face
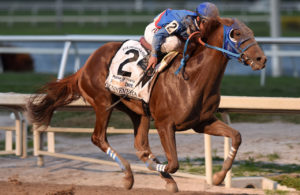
(252,54)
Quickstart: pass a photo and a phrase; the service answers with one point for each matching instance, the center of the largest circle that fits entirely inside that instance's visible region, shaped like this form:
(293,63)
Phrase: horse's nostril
(258,59)
(262,59)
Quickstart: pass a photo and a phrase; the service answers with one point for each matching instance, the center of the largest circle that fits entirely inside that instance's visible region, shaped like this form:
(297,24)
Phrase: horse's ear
(225,21)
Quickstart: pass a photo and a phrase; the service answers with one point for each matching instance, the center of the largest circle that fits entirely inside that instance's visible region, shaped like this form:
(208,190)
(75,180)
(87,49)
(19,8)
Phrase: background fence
(70,47)
(268,17)
(104,12)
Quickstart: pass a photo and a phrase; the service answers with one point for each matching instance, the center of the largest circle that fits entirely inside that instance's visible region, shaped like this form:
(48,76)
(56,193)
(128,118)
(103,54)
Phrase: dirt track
(61,176)
(56,189)
(22,175)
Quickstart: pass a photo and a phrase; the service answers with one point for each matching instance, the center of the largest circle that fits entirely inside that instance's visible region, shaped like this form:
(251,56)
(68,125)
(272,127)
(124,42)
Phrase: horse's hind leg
(219,128)
(99,139)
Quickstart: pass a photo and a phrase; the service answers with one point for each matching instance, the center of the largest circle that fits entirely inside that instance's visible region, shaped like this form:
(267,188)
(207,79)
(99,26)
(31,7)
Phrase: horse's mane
(225,21)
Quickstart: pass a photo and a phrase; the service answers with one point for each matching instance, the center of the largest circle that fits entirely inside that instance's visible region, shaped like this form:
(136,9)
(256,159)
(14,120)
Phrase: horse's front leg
(219,128)
(167,138)
(144,153)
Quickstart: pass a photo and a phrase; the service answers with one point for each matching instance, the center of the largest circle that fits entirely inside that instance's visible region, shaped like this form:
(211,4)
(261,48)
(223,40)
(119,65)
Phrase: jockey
(170,27)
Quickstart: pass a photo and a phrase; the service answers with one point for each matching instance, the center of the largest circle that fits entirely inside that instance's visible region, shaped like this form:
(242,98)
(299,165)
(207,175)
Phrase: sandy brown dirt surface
(23,174)
(19,188)
(62,176)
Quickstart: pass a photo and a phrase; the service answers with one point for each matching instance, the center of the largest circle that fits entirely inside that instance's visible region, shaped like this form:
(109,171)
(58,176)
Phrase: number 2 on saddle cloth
(127,72)
(128,76)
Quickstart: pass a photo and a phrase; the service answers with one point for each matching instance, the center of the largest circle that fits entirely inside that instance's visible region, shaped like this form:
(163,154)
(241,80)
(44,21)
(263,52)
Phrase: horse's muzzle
(260,63)
(257,64)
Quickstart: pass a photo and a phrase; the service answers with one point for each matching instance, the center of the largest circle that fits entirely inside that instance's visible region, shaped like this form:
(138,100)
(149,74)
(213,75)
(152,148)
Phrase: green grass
(2,144)
(288,174)
(249,86)
(276,192)
(259,29)
(273,156)
(289,28)
(263,118)
(288,180)
(73,28)
(73,119)
(240,168)
(118,120)
(23,82)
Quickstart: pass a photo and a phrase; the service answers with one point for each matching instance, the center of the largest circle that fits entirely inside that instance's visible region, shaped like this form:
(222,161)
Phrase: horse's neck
(209,65)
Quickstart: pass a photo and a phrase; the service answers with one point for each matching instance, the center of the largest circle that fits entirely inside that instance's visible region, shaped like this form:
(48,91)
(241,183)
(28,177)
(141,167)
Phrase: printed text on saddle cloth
(126,69)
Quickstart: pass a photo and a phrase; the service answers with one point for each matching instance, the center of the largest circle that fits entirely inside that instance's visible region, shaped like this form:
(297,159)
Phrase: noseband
(230,48)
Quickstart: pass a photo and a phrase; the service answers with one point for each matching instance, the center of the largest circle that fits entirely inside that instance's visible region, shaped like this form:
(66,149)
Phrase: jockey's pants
(171,43)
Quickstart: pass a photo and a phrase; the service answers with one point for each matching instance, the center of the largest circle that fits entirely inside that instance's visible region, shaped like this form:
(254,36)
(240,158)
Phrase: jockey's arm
(158,39)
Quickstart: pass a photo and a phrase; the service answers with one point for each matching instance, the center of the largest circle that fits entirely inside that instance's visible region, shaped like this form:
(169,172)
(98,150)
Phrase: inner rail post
(226,119)
(208,159)
(38,145)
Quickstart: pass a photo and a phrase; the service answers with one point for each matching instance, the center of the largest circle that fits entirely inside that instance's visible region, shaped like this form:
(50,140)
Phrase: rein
(185,57)
(237,51)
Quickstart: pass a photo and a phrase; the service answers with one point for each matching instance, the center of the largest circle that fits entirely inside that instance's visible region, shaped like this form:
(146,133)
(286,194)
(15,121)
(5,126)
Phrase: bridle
(235,46)
(230,49)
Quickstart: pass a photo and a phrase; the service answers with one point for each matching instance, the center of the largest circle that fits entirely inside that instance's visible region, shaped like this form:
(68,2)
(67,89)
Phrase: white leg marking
(108,150)
(233,149)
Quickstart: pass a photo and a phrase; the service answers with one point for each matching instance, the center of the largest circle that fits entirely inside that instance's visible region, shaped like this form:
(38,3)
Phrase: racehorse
(178,102)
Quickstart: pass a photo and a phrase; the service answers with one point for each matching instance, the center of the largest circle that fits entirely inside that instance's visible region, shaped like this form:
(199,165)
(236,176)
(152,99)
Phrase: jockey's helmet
(207,10)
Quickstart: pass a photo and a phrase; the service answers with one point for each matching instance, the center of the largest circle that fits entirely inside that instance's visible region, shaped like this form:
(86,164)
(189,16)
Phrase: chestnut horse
(177,102)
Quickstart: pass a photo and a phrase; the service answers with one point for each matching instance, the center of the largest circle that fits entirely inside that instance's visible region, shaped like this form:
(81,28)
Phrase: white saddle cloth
(125,72)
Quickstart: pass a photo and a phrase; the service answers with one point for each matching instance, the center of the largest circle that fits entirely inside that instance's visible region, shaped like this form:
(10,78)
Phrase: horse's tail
(40,107)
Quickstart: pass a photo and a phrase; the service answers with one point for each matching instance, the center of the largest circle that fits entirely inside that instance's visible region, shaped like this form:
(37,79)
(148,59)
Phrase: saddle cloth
(126,69)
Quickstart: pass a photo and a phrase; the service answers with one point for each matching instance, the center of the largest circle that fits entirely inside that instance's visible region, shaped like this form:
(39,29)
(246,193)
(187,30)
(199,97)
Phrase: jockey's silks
(170,15)
(171,22)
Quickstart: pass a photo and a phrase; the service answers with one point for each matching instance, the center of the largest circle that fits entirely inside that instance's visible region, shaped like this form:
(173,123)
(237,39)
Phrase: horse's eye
(231,36)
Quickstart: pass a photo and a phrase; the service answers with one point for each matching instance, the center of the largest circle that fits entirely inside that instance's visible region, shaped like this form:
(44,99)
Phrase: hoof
(171,187)
(128,182)
(219,177)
